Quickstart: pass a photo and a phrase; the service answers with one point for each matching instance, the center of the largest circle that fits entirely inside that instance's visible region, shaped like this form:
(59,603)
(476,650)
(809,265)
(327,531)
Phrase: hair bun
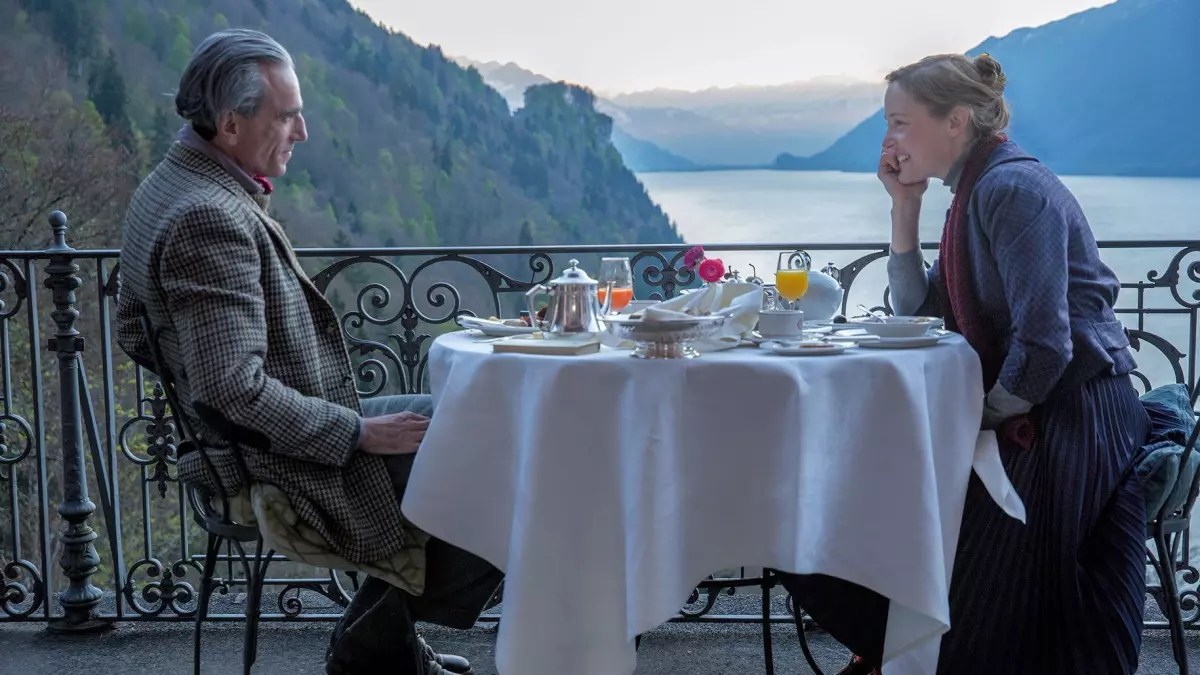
(990,72)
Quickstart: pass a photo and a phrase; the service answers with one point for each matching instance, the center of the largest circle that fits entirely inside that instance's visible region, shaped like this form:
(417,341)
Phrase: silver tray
(663,339)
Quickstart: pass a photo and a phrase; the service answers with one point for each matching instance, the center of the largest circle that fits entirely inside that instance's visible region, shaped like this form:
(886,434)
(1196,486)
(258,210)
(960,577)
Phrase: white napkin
(739,301)
(990,469)
(475,322)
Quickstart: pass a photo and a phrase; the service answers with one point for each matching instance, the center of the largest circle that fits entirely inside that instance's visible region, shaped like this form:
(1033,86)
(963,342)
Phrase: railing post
(79,559)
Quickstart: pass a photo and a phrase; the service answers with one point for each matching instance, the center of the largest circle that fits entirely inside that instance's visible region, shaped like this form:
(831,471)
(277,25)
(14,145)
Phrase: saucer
(903,342)
(808,348)
(771,337)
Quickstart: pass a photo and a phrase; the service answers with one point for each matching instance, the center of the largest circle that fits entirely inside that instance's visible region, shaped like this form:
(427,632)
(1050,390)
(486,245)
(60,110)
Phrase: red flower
(693,257)
(712,269)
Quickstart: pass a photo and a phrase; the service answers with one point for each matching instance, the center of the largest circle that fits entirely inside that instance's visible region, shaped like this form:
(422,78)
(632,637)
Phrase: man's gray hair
(223,74)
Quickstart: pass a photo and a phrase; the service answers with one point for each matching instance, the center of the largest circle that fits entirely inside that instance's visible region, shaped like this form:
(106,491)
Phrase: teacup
(781,323)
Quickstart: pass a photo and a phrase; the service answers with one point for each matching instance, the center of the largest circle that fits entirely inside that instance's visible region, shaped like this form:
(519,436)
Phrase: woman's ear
(959,120)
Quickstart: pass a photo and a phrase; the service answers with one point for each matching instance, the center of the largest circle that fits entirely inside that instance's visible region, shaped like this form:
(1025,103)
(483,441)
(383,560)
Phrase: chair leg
(1170,589)
(254,605)
(768,582)
(206,588)
(799,616)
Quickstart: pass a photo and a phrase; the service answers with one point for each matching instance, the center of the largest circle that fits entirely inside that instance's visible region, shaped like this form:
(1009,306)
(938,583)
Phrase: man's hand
(395,434)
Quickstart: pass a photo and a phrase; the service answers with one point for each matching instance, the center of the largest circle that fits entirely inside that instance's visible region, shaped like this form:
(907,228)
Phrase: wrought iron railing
(89,424)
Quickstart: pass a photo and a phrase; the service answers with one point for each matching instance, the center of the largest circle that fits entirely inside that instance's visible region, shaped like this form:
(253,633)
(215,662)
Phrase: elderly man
(260,365)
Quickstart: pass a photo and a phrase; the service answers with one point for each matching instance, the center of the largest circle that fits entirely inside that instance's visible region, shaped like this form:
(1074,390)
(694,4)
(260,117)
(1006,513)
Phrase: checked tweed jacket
(257,352)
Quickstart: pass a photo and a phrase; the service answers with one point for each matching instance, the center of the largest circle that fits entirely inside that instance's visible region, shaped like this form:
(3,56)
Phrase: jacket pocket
(1110,335)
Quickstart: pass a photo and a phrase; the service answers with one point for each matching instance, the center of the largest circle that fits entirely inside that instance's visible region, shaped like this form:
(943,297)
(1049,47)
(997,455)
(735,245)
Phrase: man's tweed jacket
(256,350)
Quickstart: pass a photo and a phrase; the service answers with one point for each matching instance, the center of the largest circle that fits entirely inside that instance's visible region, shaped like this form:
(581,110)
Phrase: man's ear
(228,126)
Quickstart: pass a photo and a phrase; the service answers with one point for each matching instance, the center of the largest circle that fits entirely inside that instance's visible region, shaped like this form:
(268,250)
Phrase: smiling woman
(934,109)
(1019,275)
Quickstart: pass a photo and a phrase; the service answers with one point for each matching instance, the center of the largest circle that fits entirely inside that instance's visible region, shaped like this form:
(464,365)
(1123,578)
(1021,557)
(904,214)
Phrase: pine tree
(106,91)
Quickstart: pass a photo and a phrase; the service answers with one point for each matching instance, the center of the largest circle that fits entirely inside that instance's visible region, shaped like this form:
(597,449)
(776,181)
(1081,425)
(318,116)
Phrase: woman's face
(924,146)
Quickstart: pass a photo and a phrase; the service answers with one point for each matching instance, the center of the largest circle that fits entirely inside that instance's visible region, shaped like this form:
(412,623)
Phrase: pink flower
(712,269)
(693,257)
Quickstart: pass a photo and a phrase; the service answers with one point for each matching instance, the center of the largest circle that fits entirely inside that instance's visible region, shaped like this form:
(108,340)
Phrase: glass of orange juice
(616,274)
(791,276)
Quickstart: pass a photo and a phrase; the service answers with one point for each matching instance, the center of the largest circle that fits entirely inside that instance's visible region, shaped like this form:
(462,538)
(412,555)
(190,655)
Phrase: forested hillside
(405,148)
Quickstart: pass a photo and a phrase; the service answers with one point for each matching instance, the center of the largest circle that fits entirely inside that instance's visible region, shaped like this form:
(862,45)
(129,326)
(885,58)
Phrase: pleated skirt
(1064,593)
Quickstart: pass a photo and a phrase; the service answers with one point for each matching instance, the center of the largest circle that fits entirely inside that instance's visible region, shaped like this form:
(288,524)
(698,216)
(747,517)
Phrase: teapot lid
(573,276)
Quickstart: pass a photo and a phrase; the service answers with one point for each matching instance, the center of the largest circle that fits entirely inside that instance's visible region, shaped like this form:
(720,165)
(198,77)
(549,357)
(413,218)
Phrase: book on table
(567,345)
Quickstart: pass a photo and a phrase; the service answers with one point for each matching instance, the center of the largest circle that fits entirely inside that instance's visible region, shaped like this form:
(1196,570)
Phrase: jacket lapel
(284,246)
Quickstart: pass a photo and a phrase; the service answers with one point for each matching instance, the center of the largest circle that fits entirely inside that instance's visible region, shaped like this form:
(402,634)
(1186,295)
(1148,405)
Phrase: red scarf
(265,183)
(960,305)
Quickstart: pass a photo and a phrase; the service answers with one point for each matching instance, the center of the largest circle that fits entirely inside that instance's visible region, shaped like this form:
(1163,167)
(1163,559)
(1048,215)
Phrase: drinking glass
(791,276)
(615,274)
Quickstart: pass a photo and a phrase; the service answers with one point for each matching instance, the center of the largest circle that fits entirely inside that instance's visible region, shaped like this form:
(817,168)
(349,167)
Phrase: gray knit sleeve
(912,290)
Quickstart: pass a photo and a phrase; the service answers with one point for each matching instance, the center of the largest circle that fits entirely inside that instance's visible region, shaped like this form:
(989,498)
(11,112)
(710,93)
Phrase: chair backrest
(220,521)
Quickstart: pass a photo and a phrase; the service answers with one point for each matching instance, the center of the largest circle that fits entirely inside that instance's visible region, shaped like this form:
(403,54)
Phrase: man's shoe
(454,665)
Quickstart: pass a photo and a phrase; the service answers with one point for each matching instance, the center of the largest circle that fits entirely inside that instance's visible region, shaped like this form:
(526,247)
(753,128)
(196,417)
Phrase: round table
(606,487)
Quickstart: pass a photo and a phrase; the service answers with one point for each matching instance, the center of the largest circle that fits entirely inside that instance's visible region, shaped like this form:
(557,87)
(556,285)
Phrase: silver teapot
(574,307)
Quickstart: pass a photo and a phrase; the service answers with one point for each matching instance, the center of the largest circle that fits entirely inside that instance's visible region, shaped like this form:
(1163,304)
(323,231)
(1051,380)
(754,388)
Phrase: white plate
(903,343)
(806,348)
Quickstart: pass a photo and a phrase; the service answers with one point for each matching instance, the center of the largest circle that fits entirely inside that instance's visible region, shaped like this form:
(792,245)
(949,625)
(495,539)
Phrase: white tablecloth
(606,487)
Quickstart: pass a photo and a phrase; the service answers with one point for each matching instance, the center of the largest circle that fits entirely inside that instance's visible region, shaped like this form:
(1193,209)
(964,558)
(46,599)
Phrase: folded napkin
(468,321)
(740,302)
(990,468)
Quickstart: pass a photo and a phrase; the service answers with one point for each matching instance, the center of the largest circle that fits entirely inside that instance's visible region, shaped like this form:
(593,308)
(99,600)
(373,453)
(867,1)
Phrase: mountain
(745,125)
(512,80)
(509,79)
(405,147)
(1107,91)
(642,155)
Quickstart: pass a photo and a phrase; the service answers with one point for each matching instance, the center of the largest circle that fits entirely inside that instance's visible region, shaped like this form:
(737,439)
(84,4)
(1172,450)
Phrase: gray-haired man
(259,359)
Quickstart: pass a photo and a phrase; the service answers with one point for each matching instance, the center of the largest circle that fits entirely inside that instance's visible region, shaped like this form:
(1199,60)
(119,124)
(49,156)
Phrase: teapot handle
(530,296)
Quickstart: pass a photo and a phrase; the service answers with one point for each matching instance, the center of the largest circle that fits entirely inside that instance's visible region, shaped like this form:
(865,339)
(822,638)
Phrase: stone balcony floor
(297,648)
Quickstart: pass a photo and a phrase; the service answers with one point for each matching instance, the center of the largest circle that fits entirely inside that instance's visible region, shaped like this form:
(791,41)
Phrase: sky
(617,46)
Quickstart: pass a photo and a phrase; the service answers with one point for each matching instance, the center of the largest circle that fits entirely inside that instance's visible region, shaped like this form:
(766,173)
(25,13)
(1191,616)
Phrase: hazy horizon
(626,46)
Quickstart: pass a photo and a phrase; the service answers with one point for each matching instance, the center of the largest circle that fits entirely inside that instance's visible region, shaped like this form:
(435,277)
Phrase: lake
(829,207)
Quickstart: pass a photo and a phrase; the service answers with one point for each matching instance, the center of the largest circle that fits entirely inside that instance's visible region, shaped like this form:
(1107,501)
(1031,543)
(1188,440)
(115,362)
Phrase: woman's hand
(889,175)
(906,202)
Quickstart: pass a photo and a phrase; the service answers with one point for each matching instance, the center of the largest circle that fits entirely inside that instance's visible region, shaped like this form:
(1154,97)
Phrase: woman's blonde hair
(944,81)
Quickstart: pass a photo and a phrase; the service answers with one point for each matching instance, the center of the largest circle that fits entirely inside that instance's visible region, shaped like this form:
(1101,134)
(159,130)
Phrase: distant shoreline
(768,167)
